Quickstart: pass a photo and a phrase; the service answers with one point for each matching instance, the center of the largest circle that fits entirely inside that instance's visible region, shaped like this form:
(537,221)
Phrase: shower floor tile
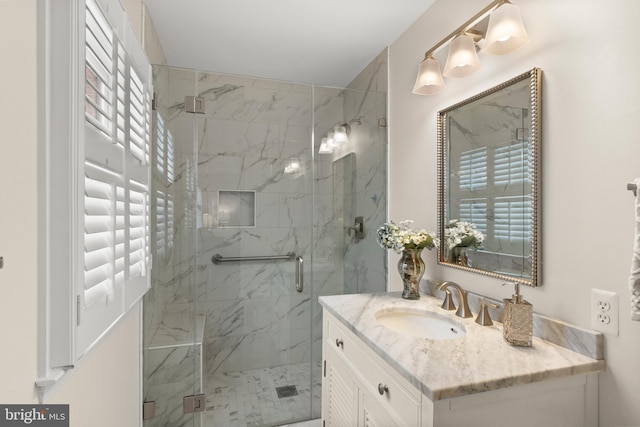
(250,398)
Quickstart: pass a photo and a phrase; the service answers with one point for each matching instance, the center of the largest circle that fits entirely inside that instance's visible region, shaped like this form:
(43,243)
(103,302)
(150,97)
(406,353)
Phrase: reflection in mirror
(488,176)
(344,206)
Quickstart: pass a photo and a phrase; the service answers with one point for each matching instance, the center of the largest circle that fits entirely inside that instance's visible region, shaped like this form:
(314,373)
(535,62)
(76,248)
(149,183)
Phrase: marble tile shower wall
(366,99)
(343,264)
(365,262)
(251,131)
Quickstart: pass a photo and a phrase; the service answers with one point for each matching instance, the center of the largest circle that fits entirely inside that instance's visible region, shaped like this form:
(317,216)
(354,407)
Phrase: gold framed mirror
(489,167)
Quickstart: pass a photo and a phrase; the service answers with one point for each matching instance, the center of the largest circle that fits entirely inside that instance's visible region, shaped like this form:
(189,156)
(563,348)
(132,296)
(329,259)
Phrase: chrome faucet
(463,307)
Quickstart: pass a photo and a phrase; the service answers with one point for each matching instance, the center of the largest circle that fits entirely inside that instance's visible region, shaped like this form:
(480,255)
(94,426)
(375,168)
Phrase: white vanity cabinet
(361,389)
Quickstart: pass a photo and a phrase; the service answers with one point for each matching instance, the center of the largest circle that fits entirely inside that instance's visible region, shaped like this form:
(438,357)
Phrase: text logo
(34,415)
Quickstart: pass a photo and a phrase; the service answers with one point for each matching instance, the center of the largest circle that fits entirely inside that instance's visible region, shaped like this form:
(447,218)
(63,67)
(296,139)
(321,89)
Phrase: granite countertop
(479,361)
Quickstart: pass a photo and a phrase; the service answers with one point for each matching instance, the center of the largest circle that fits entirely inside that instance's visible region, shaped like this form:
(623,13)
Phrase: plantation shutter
(138,229)
(473,181)
(473,169)
(114,151)
(475,211)
(513,218)
(161,224)
(512,213)
(511,164)
(95,117)
(164,155)
(482,173)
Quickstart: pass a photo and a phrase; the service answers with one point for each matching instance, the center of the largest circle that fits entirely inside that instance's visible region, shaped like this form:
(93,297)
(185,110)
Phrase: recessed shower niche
(236,208)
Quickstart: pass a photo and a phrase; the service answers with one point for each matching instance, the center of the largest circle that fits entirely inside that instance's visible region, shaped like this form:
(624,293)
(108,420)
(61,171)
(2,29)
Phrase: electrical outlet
(604,311)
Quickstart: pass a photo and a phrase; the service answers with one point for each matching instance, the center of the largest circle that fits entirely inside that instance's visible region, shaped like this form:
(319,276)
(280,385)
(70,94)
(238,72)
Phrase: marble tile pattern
(173,367)
(253,129)
(479,361)
(249,398)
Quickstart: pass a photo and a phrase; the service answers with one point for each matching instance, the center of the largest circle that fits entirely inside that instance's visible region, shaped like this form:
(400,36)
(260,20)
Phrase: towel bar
(217,258)
(291,256)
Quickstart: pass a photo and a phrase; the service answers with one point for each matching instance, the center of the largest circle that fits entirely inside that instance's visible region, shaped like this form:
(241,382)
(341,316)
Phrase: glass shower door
(173,328)
(254,183)
(243,199)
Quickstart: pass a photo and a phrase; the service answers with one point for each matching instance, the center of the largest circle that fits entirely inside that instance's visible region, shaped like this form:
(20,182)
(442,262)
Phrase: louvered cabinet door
(373,414)
(339,393)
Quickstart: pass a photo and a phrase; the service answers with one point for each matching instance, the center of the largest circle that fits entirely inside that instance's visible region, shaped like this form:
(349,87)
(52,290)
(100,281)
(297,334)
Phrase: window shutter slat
(511,163)
(473,169)
(512,218)
(98,69)
(99,220)
(138,220)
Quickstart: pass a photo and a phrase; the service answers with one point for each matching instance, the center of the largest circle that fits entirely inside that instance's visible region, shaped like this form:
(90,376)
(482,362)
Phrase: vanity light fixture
(463,59)
(505,32)
(331,142)
(336,137)
(429,79)
(324,146)
(292,167)
(340,135)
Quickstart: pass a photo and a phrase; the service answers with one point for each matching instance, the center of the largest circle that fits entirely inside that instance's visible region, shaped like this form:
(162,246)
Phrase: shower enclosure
(251,225)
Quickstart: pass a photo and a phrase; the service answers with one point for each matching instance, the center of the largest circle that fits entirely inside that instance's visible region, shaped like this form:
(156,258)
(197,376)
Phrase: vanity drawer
(402,398)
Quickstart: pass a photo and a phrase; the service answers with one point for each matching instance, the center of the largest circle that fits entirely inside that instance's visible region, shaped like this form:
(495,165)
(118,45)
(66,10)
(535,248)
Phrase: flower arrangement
(400,237)
(462,234)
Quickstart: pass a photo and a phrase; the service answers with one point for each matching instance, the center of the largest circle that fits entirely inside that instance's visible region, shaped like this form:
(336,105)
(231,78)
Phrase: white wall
(591,149)
(104,390)
(18,204)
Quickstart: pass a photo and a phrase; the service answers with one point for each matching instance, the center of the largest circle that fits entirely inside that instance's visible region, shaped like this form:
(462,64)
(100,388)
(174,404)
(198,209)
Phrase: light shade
(429,80)
(340,135)
(324,147)
(505,31)
(331,142)
(463,59)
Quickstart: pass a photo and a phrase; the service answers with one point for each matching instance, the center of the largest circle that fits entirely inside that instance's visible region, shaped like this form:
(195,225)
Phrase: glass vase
(459,256)
(411,269)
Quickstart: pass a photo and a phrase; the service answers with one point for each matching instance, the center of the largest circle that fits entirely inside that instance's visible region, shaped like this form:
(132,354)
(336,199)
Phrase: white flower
(401,237)
(462,233)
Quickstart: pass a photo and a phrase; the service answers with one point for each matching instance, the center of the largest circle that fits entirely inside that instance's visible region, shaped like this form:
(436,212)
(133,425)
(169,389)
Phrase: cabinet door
(373,414)
(339,393)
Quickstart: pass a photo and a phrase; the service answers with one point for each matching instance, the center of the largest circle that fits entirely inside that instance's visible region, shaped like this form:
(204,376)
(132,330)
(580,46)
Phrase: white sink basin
(420,323)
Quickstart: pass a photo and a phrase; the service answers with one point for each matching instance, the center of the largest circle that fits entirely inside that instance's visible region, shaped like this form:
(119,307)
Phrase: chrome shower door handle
(299,273)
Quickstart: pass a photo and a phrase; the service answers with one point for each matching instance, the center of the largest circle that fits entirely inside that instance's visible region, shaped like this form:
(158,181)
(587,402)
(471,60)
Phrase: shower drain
(286,391)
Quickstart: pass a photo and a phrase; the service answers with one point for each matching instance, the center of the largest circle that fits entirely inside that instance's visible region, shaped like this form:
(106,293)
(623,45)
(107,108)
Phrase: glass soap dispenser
(517,319)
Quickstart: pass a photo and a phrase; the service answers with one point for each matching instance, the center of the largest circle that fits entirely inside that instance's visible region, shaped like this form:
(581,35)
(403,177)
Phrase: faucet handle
(448,304)
(463,306)
(484,318)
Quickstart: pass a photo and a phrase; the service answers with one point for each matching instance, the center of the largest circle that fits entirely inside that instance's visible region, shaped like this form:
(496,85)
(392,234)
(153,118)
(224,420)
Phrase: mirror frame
(535,83)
